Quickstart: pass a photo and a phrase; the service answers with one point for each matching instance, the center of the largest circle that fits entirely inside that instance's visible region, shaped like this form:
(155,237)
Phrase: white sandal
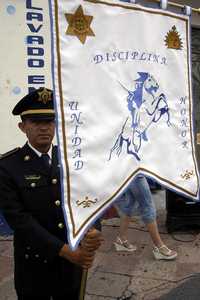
(164,252)
(124,245)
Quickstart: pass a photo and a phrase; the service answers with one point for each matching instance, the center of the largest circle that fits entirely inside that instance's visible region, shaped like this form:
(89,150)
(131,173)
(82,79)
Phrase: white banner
(25,60)
(122,78)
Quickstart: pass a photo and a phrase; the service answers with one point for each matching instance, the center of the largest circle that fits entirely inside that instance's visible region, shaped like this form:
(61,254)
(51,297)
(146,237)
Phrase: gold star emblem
(79,25)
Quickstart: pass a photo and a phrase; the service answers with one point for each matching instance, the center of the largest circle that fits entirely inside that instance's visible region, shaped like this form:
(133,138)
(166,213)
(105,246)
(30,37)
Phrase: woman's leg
(142,195)
(141,192)
(124,206)
(123,230)
(122,243)
(160,250)
(152,228)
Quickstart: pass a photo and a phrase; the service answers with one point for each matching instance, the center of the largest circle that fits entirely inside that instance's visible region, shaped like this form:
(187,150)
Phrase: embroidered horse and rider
(145,109)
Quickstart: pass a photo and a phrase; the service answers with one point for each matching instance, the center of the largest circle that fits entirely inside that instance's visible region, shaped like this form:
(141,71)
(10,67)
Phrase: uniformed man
(30,199)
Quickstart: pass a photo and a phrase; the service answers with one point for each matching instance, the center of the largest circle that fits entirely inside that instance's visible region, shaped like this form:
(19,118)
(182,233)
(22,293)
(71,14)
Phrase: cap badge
(44,96)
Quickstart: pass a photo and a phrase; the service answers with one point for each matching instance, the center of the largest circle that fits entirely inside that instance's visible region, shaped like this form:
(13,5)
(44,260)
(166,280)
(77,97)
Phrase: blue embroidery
(76,139)
(145,108)
(184,122)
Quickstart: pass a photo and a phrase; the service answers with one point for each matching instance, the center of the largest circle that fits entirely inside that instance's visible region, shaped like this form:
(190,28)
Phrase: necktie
(46,159)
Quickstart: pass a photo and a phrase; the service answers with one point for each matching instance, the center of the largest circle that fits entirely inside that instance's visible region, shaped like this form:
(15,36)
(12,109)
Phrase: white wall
(14,69)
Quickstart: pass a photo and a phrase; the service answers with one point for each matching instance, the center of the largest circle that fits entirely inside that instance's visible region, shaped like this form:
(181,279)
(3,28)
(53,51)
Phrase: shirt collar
(39,153)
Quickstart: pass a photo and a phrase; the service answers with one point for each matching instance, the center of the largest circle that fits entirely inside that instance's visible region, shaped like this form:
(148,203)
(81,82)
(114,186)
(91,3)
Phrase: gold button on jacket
(61,225)
(54,180)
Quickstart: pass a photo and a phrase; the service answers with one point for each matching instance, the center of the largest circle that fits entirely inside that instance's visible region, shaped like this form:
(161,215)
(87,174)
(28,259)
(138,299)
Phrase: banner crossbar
(174,4)
(196,10)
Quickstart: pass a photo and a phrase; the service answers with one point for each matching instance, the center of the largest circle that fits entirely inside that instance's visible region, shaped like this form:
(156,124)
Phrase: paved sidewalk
(138,274)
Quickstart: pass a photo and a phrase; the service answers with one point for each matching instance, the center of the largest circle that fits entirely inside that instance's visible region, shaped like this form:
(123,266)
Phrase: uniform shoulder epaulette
(9,153)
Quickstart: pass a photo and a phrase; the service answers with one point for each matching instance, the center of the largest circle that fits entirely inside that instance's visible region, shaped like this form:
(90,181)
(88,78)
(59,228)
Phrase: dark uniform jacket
(30,200)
